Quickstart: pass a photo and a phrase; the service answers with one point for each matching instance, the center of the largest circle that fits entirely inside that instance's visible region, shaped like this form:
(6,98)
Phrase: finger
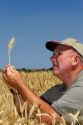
(12,69)
(4,70)
(5,81)
(7,65)
(4,77)
(8,69)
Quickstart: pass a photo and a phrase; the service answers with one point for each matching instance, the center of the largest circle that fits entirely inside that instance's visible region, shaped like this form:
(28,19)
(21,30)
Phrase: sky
(32,23)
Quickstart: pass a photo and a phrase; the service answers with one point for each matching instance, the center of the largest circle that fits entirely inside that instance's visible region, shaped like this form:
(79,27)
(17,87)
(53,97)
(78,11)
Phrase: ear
(75,60)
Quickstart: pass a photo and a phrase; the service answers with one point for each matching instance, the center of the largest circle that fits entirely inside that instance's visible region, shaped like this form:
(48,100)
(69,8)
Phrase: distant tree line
(31,70)
(34,70)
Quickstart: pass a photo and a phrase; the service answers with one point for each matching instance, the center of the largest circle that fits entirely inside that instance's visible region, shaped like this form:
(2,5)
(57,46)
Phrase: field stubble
(39,82)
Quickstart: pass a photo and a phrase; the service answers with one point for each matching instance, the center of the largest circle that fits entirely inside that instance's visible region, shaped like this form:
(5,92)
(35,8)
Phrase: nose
(52,58)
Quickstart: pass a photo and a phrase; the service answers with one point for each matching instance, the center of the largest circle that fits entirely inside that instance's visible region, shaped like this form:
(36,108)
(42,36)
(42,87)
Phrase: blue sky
(32,23)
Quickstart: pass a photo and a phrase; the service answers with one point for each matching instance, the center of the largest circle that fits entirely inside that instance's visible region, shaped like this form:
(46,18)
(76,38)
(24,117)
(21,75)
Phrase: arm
(13,78)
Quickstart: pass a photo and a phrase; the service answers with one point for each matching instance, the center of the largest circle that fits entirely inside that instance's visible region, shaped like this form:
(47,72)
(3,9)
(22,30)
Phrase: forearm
(30,97)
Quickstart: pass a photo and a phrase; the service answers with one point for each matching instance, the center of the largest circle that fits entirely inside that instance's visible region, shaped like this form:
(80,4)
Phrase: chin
(56,73)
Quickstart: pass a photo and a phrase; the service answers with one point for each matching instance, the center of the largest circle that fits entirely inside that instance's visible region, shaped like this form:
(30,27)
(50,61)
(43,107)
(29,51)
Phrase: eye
(57,53)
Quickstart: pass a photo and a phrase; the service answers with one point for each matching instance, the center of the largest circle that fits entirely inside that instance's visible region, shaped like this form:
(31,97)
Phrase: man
(67,98)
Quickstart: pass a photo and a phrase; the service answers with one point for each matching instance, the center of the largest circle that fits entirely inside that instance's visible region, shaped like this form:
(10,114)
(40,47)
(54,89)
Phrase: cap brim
(51,45)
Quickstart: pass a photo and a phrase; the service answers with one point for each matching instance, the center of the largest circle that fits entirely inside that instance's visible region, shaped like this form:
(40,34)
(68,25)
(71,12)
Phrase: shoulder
(53,93)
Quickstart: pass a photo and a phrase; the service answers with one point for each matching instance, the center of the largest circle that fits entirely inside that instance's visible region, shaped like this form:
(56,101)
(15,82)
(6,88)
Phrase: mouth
(55,65)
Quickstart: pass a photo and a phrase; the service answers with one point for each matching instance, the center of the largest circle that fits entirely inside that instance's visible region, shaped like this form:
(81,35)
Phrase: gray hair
(81,60)
(80,56)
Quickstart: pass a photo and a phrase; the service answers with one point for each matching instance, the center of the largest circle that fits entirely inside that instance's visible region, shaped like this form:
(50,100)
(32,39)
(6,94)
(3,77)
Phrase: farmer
(63,99)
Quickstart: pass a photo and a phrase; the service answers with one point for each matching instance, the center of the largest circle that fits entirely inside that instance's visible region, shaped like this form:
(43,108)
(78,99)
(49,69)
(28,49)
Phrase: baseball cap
(75,44)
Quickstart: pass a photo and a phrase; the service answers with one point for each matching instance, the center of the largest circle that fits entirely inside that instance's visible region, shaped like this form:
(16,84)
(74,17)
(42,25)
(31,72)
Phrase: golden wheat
(10,46)
(39,82)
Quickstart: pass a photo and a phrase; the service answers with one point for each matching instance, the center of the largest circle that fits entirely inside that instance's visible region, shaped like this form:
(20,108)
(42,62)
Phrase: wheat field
(39,82)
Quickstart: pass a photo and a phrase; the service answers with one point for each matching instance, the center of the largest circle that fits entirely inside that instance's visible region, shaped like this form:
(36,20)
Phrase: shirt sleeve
(54,93)
(70,102)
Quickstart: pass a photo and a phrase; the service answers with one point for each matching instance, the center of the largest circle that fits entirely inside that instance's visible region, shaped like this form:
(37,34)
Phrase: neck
(68,78)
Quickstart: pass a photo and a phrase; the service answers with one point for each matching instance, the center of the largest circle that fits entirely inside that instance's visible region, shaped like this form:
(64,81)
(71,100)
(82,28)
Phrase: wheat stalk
(10,46)
(75,118)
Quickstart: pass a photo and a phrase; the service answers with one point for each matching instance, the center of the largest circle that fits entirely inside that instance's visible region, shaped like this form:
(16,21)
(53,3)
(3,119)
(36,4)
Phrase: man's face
(62,60)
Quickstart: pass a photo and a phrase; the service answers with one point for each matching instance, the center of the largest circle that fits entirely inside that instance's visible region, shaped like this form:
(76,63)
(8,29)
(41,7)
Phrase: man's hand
(12,76)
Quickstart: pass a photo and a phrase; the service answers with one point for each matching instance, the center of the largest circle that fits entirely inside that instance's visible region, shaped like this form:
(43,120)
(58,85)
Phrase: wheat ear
(10,46)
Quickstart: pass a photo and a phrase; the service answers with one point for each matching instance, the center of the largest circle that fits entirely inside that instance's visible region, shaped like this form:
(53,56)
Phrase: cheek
(65,64)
